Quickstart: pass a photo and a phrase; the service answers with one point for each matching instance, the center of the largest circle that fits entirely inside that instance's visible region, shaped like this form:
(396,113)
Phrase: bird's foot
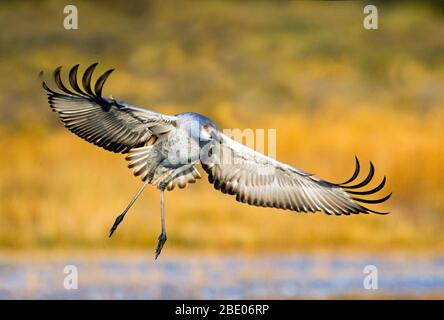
(162,240)
(116,223)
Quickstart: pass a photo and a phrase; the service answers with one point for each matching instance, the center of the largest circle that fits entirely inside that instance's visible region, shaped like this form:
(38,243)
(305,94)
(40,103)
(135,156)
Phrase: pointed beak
(216,136)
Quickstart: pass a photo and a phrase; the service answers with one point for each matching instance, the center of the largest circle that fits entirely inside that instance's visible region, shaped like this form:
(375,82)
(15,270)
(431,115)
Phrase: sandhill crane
(164,151)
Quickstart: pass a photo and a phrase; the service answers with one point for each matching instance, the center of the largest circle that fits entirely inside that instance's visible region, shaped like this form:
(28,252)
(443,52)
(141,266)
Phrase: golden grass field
(331,89)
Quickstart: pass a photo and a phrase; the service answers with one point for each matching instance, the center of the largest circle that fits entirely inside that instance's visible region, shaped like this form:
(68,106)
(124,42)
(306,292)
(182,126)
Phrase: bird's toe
(162,240)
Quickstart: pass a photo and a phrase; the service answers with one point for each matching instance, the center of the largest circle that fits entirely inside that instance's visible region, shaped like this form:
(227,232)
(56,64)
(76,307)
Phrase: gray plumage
(164,151)
(262,181)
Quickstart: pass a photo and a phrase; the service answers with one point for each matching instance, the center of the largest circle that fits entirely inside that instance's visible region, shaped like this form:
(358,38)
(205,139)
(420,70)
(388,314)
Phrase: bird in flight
(164,150)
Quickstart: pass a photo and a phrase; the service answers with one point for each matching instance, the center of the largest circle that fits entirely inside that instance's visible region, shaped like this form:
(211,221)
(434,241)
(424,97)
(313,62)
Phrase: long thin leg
(162,236)
(122,215)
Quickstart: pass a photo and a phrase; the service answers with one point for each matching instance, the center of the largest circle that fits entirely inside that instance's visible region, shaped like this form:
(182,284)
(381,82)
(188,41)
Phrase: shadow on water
(213,277)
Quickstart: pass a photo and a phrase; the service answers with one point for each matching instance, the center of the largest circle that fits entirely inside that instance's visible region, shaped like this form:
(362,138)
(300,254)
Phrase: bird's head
(208,132)
(200,127)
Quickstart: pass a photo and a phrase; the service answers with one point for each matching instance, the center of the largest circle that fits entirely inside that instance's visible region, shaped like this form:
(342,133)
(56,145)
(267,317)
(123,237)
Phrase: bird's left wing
(112,125)
(262,181)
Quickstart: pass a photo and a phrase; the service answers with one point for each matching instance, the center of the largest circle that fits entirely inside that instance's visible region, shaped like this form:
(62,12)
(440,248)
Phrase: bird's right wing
(112,125)
(262,181)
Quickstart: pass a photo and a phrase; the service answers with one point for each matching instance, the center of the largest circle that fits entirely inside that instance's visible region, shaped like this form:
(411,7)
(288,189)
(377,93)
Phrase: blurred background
(309,69)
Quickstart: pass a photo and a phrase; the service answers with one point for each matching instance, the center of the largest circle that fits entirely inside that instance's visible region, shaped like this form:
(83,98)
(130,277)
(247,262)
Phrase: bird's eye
(206,126)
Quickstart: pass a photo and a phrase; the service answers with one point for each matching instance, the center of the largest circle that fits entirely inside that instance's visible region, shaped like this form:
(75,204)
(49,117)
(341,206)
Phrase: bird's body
(164,151)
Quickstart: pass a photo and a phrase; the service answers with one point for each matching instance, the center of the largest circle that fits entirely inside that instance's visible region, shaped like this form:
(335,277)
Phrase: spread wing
(112,125)
(262,181)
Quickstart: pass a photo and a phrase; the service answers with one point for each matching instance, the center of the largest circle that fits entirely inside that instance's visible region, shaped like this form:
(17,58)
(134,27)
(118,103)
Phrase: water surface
(214,277)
